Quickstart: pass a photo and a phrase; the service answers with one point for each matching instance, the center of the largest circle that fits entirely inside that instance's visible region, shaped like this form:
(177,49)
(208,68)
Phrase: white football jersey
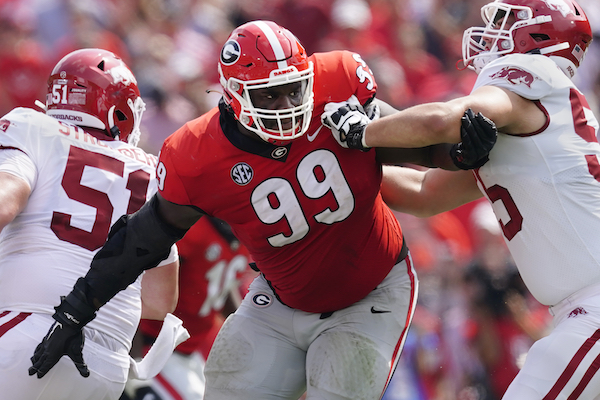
(83,185)
(545,186)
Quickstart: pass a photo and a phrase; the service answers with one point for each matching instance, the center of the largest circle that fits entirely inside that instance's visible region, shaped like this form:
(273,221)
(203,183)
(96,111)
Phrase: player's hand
(65,336)
(347,121)
(478,135)
(60,340)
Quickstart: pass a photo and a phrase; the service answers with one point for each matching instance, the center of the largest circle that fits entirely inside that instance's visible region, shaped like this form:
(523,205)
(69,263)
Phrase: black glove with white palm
(478,136)
(348,120)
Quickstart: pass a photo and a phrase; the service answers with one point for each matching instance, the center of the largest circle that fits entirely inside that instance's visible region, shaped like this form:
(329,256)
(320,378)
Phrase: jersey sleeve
(21,146)
(15,129)
(17,163)
(341,74)
(170,184)
(173,256)
(527,75)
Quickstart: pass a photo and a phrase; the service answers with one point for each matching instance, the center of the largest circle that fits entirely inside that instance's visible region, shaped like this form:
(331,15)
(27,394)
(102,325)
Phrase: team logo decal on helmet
(559,5)
(242,173)
(230,52)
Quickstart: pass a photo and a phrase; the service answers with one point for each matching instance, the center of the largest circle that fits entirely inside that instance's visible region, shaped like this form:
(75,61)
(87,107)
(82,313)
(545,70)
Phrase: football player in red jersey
(330,310)
(214,274)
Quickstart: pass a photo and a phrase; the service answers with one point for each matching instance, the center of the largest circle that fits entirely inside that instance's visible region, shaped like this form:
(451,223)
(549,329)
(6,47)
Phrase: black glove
(347,125)
(478,135)
(65,336)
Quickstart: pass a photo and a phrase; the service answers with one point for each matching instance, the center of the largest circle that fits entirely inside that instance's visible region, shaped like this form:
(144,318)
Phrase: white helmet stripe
(275,45)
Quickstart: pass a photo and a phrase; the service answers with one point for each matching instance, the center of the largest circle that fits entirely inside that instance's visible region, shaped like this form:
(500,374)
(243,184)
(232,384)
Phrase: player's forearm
(429,192)
(136,243)
(418,126)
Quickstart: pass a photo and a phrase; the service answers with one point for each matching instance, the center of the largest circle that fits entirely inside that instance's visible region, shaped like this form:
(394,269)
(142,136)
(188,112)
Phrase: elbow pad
(136,242)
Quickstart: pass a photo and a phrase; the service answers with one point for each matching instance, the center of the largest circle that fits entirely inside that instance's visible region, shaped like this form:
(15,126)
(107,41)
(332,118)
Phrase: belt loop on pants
(403,251)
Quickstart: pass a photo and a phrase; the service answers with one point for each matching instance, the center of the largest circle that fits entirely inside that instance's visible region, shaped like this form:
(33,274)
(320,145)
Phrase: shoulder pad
(527,75)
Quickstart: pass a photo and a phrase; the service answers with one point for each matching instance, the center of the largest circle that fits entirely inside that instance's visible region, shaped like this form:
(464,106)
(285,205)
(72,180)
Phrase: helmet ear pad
(95,88)
(259,55)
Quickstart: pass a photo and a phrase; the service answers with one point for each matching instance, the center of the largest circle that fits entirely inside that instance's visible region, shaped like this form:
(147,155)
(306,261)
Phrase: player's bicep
(14,193)
(512,113)
(18,175)
(160,290)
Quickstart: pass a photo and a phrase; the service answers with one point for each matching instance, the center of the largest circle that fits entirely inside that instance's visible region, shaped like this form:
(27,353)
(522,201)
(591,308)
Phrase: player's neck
(247,132)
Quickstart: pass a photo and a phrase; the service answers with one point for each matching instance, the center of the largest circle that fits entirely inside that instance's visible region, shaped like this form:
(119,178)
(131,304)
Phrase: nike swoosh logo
(314,135)
(374,311)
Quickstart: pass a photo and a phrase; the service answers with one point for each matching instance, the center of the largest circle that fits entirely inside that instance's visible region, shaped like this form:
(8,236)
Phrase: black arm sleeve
(136,242)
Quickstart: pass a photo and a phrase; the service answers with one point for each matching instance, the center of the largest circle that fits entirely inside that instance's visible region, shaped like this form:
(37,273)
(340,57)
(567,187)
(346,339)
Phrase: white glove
(347,121)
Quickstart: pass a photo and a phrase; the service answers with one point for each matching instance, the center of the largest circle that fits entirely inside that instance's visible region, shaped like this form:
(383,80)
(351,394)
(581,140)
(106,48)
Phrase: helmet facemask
(482,45)
(262,59)
(137,108)
(275,125)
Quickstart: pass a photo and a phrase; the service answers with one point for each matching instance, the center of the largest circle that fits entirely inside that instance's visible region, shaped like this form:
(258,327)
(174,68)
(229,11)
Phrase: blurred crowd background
(475,320)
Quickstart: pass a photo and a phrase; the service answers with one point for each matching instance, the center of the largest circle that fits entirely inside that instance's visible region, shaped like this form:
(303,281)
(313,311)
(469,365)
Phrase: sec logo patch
(242,173)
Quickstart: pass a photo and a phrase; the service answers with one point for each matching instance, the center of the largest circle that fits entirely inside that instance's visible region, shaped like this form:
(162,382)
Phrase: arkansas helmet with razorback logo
(258,55)
(555,28)
(94,88)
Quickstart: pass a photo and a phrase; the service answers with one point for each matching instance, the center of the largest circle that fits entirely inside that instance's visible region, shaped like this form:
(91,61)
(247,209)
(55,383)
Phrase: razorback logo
(576,312)
(559,5)
(515,76)
(4,124)
(122,74)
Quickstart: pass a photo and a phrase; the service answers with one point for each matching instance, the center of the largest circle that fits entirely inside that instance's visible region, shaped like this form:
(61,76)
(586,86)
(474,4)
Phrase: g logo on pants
(262,300)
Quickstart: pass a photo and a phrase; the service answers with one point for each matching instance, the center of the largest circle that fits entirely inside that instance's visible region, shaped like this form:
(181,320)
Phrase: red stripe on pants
(400,343)
(13,322)
(165,384)
(572,366)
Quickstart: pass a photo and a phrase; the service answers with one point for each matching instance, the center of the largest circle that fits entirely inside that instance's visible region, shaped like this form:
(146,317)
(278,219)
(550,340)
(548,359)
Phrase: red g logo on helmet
(230,52)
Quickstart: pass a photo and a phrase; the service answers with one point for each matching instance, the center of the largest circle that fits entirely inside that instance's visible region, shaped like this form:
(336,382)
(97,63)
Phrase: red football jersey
(210,268)
(310,213)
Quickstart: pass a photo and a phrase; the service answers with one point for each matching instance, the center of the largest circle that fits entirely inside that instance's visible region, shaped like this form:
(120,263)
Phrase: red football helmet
(262,54)
(555,28)
(94,88)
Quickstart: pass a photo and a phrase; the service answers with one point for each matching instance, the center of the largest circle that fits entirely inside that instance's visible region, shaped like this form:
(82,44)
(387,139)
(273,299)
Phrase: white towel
(170,336)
